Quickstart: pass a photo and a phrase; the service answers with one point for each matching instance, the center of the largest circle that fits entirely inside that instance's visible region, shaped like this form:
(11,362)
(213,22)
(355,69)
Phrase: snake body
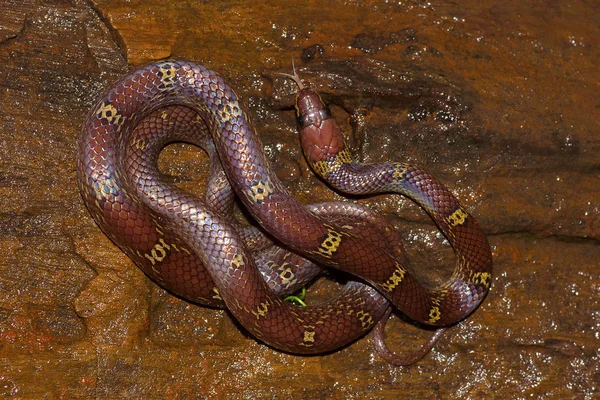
(193,248)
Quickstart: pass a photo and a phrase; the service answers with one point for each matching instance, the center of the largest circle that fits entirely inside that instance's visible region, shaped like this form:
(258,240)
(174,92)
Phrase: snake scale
(195,248)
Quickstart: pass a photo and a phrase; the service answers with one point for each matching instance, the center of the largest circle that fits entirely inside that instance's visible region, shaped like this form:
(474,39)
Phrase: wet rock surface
(500,102)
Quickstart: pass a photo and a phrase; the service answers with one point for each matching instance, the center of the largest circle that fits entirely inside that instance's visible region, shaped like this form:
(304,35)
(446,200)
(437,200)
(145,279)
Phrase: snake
(194,248)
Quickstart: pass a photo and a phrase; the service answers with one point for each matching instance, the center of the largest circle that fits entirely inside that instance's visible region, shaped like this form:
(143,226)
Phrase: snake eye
(325,113)
(307,119)
(314,117)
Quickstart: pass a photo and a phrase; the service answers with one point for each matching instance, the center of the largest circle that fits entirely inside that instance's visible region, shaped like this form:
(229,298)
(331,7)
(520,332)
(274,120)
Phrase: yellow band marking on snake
(198,120)
(159,252)
(331,243)
(343,157)
(323,167)
(458,217)
(480,278)
(233,112)
(259,191)
(140,144)
(366,320)
(399,171)
(434,313)
(261,310)
(395,279)
(166,74)
(287,275)
(111,114)
(238,261)
(308,338)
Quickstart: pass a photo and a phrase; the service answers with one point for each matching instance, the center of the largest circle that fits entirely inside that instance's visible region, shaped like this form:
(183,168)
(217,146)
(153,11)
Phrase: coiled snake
(195,248)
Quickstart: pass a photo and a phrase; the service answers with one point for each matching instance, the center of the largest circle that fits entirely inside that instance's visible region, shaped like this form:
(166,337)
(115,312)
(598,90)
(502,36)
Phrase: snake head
(320,135)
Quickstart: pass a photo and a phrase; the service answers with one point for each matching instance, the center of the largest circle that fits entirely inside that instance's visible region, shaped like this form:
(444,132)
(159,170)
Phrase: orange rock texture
(497,100)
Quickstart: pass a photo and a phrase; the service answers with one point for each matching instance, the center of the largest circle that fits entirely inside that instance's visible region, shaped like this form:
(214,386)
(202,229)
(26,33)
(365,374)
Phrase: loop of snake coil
(192,248)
